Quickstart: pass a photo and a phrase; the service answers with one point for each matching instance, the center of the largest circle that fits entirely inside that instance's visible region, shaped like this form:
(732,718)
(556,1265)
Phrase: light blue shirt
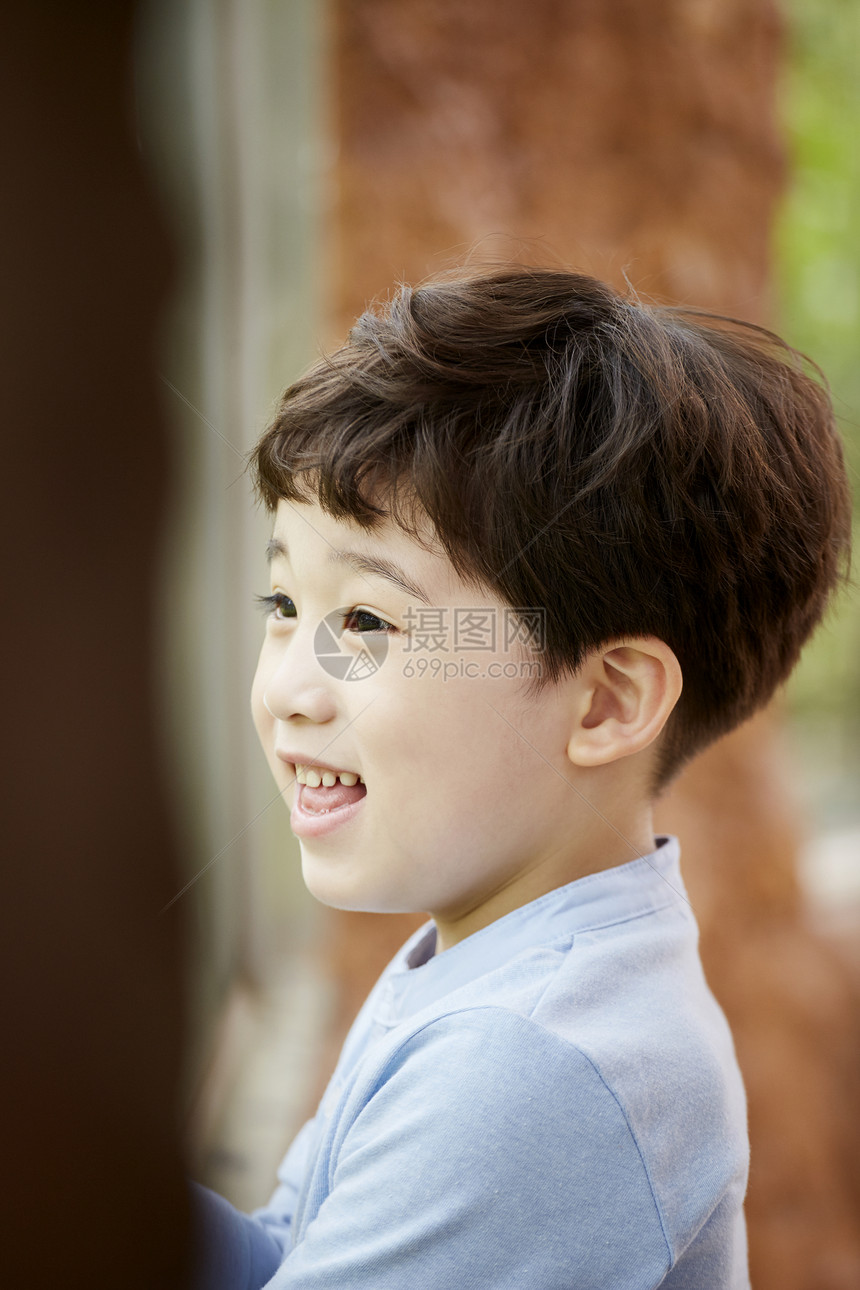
(553,1103)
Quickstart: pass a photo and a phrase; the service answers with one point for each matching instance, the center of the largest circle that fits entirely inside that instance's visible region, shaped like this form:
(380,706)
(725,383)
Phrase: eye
(363,621)
(278,606)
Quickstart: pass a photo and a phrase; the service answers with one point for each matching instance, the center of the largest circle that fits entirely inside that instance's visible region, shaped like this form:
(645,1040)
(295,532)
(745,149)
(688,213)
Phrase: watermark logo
(345,662)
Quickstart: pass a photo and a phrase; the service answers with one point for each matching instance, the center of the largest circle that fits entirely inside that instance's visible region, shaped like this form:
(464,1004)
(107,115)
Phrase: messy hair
(633,470)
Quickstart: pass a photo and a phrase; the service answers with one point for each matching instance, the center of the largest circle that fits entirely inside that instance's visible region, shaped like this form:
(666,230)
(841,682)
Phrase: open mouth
(322,792)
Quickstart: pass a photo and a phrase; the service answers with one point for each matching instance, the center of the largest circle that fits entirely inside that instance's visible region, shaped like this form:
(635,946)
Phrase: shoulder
(484,1051)
(500,1113)
(484,1074)
(653,1117)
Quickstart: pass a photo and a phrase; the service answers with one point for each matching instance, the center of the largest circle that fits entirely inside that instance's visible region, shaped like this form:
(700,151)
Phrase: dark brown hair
(633,469)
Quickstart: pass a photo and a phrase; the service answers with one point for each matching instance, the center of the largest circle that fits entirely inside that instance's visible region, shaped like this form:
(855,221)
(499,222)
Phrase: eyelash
(270,604)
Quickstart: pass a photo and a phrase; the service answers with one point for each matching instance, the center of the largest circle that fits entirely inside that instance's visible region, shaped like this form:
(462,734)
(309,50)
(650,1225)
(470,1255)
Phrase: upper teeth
(313,779)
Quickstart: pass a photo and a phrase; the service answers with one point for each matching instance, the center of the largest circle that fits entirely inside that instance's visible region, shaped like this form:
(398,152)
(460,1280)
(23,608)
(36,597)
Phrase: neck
(600,838)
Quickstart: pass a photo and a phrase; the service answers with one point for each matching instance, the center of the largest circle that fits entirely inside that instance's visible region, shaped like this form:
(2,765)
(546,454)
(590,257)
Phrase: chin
(332,891)
(329,888)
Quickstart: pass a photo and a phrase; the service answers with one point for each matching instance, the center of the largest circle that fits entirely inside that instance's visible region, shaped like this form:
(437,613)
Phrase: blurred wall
(230,106)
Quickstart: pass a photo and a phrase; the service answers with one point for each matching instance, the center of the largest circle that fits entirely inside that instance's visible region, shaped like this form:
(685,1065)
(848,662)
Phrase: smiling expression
(469,808)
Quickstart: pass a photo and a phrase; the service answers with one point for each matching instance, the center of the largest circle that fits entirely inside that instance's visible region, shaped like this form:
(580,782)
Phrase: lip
(304,824)
(304,759)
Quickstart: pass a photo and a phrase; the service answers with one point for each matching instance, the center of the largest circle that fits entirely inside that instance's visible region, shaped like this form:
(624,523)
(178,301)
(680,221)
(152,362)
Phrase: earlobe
(626,692)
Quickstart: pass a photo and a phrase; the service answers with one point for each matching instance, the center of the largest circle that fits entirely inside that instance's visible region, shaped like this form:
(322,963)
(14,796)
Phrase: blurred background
(309,154)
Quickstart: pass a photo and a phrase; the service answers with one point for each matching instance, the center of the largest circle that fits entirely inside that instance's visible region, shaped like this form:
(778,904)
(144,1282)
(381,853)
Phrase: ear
(626,691)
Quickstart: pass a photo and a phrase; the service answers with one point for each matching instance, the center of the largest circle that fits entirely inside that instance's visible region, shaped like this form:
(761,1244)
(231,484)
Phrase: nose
(297,686)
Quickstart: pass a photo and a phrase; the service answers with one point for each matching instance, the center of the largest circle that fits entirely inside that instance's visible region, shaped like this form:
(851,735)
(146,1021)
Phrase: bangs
(340,439)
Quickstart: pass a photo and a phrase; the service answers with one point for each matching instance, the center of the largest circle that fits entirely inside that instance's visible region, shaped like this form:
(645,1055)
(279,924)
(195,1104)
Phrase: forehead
(304,533)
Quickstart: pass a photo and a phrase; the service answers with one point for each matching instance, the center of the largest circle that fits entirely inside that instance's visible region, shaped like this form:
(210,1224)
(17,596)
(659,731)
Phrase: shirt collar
(415,981)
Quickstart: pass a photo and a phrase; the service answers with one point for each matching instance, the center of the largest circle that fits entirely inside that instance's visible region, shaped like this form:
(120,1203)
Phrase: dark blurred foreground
(92,1009)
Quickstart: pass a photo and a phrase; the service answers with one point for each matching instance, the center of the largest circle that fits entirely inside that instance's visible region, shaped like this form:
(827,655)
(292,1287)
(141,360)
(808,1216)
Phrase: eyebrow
(374,565)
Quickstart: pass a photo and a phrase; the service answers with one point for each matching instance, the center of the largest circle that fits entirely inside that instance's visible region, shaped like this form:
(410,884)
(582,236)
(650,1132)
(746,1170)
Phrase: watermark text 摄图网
(465,628)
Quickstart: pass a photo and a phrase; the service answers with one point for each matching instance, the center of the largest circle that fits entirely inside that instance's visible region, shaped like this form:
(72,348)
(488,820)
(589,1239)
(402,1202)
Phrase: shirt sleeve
(236,1251)
(489,1154)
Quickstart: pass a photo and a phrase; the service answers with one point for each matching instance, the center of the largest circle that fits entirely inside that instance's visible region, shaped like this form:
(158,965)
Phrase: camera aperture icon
(342,660)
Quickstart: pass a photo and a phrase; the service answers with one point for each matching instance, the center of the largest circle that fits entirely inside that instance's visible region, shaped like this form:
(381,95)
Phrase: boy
(535,545)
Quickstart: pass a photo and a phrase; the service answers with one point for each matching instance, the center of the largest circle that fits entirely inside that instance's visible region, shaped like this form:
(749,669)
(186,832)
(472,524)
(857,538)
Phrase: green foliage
(818,294)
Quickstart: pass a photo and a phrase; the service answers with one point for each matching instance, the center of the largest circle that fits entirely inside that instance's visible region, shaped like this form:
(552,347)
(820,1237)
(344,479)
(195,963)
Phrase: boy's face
(469,807)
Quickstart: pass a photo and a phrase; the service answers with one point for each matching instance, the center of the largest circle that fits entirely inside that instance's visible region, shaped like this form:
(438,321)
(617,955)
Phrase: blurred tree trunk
(636,141)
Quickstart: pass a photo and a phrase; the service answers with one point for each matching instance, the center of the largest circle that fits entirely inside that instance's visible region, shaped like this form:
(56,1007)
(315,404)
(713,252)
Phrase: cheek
(450,758)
